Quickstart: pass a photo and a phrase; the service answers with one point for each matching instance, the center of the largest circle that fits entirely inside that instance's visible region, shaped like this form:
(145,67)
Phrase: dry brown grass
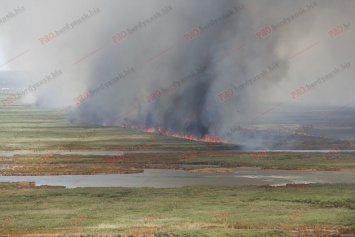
(212,170)
(26,185)
(67,169)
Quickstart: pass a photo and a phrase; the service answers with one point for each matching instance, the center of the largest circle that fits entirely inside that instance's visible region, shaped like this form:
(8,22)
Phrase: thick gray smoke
(193,67)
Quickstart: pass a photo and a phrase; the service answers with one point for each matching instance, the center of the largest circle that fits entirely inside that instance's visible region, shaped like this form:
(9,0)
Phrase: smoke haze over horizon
(191,67)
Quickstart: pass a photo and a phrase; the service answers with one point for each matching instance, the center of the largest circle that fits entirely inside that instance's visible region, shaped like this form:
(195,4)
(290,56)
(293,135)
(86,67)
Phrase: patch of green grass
(282,160)
(25,127)
(184,211)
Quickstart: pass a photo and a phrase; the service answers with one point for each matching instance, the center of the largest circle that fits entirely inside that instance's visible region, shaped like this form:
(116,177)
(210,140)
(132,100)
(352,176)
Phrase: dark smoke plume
(168,64)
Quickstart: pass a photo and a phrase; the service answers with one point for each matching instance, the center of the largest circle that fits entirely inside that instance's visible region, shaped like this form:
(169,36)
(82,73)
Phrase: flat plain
(26,209)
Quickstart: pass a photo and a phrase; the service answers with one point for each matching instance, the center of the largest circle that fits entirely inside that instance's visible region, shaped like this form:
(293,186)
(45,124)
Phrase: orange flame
(206,138)
(149,130)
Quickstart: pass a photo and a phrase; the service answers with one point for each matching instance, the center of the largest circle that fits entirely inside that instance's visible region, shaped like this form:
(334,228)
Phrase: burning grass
(27,128)
(206,138)
(26,209)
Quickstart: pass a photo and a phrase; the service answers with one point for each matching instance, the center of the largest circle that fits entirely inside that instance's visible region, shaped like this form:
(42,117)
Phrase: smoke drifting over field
(192,67)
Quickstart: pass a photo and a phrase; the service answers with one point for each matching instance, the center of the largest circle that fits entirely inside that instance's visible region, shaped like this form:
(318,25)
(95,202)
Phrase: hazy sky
(136,57)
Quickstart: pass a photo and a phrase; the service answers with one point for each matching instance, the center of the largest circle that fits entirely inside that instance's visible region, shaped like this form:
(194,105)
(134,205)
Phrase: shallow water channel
(168,178)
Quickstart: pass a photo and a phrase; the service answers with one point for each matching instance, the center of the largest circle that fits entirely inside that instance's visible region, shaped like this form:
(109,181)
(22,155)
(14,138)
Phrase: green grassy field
(25,127)
(188,211)
(284,160)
